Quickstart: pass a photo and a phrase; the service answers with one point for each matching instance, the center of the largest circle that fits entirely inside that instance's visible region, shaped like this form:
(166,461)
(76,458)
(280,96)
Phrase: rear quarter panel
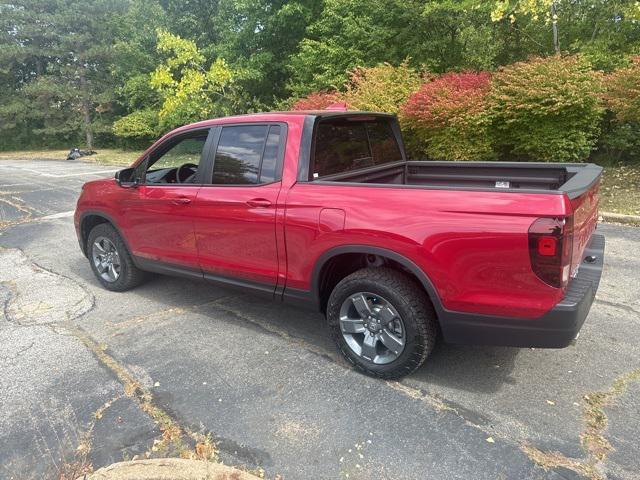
(473,245)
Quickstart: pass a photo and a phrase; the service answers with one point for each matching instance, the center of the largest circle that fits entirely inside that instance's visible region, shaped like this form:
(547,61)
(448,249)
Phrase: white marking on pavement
(43,174)
(59,215)
(82,173)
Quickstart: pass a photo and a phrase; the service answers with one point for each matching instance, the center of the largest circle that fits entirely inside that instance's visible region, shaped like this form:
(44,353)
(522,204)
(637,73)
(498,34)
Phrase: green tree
(136,56)
(349,34)
(60,52)
(604,31)
(458,35)
(197,20)
(435,35)
(256,38)
(70,68)
(189,86)
(27,45)
(190,90)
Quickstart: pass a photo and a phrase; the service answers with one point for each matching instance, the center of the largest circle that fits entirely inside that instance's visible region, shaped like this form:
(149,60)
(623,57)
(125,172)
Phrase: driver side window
(179,163)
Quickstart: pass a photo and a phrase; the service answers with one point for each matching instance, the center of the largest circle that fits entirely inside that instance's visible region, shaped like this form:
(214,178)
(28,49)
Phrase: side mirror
(127,178)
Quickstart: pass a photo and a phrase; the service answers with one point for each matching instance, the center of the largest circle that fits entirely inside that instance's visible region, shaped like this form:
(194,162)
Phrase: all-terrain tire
(130,275)
(412,304)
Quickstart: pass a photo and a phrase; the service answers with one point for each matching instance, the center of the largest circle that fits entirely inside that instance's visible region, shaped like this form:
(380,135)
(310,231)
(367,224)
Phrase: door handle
(259,202)
(181,201)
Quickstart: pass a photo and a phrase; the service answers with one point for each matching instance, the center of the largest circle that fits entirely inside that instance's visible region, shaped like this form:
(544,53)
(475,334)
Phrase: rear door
(159,213)
(235,211)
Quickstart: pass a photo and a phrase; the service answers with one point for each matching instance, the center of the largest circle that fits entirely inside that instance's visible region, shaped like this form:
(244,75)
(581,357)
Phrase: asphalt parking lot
(93,376)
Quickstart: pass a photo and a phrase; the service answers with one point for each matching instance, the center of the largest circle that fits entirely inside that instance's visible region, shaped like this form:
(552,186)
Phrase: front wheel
(110,260)
(382,322)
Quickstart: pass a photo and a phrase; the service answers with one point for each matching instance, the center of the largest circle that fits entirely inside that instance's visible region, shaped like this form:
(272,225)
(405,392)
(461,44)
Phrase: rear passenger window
(270,157)
(384,146)
(342,145)
(247,155)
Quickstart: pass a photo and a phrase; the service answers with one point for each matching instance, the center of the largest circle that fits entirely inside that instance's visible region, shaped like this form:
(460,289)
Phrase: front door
(159,213)
(235,214)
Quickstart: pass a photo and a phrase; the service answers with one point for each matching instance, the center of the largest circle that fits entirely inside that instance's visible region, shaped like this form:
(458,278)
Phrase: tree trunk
(516,28)
(86,110)
(554,20)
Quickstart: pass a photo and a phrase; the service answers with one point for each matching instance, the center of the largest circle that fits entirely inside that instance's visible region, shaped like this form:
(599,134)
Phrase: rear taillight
(550,248)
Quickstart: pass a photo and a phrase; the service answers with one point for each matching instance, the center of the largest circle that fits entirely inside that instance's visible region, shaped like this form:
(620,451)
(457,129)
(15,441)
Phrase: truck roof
(281,116)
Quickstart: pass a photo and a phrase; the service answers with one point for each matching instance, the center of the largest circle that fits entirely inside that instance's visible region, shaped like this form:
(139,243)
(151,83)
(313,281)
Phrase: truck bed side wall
(472,245)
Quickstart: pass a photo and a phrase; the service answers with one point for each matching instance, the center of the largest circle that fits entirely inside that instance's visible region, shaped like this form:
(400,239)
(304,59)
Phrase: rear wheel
(382,322)
(110,260)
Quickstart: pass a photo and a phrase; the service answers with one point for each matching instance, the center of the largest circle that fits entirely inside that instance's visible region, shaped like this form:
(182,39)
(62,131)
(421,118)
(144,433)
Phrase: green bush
(383,88)
(622,92)
(620,141)
(620,138)
(139,125)
(546,109)
(447,118)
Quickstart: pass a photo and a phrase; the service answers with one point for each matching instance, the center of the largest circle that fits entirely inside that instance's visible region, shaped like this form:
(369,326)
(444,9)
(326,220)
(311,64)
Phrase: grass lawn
(620,191)
(103,157)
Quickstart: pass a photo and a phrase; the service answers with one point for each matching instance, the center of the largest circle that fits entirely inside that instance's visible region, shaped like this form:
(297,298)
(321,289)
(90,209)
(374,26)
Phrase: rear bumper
(555,329)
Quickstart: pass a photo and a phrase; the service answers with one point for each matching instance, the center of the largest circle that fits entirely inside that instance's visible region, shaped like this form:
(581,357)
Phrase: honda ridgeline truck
(324,209)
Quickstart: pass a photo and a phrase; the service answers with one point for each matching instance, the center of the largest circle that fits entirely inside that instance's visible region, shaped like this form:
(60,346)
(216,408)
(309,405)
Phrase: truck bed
(580,182)
(574,179)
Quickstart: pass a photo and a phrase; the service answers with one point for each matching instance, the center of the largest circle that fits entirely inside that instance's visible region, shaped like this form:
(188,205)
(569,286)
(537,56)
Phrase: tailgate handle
(259,203)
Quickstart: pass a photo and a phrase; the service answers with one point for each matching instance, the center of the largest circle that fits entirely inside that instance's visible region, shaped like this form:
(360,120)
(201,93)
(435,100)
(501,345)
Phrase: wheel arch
(319,272)
(92,218)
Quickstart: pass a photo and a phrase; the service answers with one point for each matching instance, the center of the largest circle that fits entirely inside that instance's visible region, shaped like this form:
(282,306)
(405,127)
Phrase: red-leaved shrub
(448,117)
(316,101)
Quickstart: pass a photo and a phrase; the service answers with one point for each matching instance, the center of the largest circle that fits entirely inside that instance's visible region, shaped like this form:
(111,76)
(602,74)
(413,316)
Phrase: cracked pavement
(263,380)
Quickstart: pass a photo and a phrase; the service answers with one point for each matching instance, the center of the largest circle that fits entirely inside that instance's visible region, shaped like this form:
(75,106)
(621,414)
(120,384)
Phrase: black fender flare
(422,277)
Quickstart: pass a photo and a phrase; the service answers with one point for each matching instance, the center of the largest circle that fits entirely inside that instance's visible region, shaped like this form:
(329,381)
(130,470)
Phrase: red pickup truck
(323,208)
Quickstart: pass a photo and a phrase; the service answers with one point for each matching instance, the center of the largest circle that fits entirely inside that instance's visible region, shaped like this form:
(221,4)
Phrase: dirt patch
(174,439)
(168,469)
(593,442)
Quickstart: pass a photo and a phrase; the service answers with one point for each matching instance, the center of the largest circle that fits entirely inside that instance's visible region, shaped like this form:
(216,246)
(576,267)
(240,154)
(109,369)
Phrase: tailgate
(585,218)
